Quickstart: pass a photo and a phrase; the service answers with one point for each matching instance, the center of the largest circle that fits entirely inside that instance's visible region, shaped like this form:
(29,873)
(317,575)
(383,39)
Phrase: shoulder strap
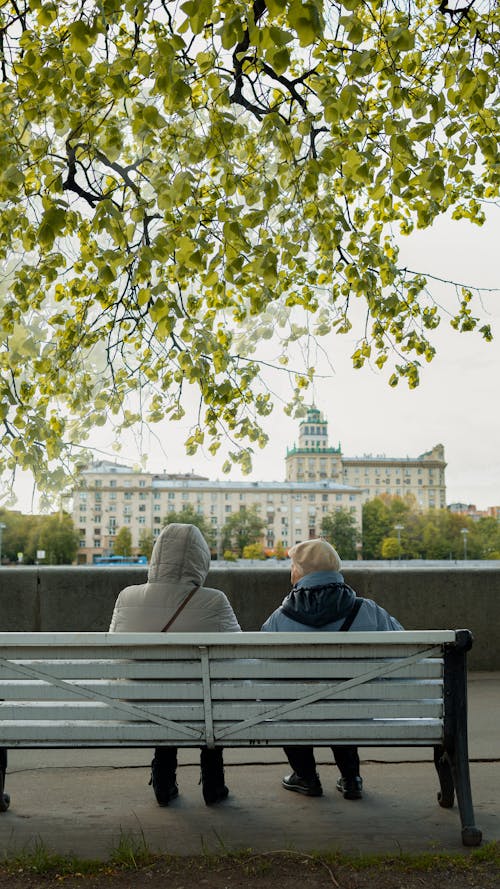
(181,606)
(351,616)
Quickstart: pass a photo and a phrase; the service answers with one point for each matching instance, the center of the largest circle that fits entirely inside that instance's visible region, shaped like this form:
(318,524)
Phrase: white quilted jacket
(180,561)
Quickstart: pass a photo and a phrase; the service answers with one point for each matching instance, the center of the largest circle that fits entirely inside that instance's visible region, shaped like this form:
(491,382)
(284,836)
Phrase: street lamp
(2,526)
(464,533)
(399,528)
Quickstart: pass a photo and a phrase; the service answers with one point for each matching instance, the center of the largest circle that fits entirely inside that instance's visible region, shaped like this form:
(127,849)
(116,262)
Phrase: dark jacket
(321,602)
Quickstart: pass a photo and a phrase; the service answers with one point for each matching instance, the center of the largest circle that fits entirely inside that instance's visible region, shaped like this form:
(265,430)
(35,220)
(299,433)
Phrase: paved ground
(82,802)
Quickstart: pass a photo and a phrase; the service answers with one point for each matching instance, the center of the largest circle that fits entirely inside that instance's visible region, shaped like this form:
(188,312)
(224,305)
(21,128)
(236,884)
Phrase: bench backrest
(142,689)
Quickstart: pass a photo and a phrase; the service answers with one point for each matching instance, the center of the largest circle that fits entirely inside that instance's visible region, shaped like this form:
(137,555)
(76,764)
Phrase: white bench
(243,689)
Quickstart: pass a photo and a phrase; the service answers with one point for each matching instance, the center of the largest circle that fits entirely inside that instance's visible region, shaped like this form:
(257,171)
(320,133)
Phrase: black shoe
(164,785)
(212,781)
(214,793)
(351,788)
(307,786)
(4,802)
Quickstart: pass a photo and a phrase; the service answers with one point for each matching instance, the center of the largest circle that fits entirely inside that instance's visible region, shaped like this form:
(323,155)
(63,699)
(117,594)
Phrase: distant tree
(442,535)
(280,551)
(189,516)
(254,551)
(380,517)
(16,534)
(122,545)
(484,538)
(146,543)
(390,548)
(341,530)
(58,538)
(376,525)
(242,528)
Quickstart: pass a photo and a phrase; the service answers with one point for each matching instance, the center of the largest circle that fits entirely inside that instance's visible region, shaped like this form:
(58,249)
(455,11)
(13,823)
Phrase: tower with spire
(312,459)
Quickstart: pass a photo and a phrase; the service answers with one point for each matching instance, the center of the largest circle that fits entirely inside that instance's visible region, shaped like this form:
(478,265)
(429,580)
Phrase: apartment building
(112,496)
(313,459)
(319,480)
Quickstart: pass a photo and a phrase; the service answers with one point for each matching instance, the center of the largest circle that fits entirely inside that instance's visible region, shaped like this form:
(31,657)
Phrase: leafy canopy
(180,181)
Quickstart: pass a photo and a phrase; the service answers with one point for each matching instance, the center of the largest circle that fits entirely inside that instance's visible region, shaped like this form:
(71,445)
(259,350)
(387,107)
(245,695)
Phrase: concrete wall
(43,599)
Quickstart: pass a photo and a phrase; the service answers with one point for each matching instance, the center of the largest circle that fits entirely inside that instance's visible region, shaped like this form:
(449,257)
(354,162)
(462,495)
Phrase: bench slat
(116,733)
(178,710)
(248,669)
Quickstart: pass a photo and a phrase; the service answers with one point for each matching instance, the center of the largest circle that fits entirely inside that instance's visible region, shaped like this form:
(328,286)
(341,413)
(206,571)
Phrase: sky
(456,403)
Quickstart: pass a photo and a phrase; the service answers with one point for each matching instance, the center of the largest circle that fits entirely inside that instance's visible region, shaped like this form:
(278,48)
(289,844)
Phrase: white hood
(179,562)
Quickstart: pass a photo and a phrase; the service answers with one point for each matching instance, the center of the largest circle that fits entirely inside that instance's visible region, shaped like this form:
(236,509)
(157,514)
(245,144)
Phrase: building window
(142,495)
(142,507)
(228,509)
(157,519)
(127,496)
(112,483)
(156,496)
(142,520)
(142,483)
(97,542)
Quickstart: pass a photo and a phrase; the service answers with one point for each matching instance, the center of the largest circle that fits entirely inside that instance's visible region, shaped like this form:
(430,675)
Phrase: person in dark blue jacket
(320,600)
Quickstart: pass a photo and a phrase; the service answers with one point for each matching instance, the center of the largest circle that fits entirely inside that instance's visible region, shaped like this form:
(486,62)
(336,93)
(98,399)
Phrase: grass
(132,853)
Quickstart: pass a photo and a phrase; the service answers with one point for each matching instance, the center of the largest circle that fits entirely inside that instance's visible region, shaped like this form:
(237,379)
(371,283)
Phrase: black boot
(163,780)
(212,776)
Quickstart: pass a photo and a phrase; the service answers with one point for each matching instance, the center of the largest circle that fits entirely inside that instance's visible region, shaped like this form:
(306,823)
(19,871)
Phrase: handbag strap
(352,614)
(181,606)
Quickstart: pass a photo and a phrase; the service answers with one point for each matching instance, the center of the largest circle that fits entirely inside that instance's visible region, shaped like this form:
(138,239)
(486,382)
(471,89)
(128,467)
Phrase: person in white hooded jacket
(179,564)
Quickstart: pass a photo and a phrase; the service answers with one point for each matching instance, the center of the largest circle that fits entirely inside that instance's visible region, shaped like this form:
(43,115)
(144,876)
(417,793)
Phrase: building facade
(319,481)
(112,496)
(312,459)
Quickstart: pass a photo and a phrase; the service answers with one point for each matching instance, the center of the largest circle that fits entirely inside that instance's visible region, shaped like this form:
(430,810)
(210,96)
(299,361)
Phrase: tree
(376,526)
(189,516)
(242,529)
(280,550)
(341,530)
(180,182)
(254,551)
(58,539)
(146,543)
(122,545)
(390,548)
(15,534)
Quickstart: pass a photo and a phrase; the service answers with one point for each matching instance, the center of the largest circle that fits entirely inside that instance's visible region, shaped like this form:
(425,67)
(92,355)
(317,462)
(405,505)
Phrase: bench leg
(455,747)
(4,797)
(471,835)
(446,795)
